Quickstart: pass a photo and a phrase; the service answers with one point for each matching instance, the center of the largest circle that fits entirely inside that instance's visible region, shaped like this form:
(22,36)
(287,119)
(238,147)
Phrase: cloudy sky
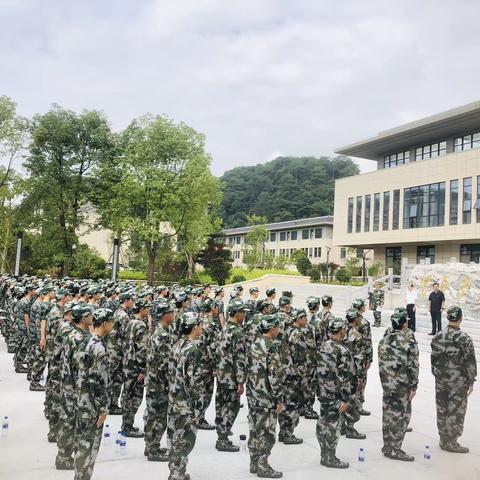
(260,78)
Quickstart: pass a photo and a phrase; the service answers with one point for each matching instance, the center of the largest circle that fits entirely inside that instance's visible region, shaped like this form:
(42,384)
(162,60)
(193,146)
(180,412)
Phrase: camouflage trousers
(328,428)
(52,396)
(309,391)
(397,411)
(183,441)
(377,318)
(66,430)
(116,376)
(352,415)
(87,442)
(208,386)
(38,363)
(30,359)
(294,401)
(227,406)
(132,397)
(261,439)
(23,345)
(155,420)
(451,410)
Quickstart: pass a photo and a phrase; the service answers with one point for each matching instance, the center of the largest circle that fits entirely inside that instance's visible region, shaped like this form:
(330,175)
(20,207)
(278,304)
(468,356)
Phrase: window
(477,203)
(230,240)
(283,236)
(467,142)
(426,252)
(396,159)
(343,253)
(366,219)
(294,235)
(467,200)
(470,253)
(310,252)
(350,217)
(318,233)
(424,206)
(396,210)
(317,252)
(386,210)
(272,253)
(305,233)
(453,202)
(236,255)
(376,212)
(431,151)
(238,240)
(358,215)
(393,259)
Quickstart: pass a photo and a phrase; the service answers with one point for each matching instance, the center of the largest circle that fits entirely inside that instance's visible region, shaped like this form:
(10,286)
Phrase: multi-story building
(312,235)
(422,204)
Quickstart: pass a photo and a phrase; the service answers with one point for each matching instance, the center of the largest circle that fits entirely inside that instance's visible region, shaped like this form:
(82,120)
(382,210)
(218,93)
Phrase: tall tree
(163,185)
(254,250)
(64,149)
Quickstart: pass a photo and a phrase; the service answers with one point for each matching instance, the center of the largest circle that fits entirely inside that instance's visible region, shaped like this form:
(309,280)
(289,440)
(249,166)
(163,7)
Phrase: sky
(259,78)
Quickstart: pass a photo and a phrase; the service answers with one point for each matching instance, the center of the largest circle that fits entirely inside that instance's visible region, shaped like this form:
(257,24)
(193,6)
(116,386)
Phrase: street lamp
(328,262)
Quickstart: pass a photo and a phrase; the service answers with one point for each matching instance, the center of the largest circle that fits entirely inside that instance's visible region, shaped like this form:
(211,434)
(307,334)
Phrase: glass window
(317,252)
(393,259)
(424,206)
(294,235)
(386,210)
(350,218)
(477,203)
(396,159)
(396,209)
(470,253)
(318,233)
(305,233)
(467,142)
(239,239)
(426,252)
(343,253)
(376,212)
(283,236)
(431,151)
(310,252)
(453,202)
(358,218)
(366,220)
(273,236)
(467,200)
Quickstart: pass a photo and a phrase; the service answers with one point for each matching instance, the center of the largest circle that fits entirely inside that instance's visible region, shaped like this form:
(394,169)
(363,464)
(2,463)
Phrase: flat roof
(460,120)
(302,222)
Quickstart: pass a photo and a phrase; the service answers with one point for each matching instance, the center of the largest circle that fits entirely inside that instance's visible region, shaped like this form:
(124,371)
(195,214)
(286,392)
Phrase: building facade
(422,204)
(312,235)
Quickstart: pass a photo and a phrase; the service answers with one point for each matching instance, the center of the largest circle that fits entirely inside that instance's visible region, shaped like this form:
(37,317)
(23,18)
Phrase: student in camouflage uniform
(159,351)
(355,343)
(283,313)
(377,299)
(219,296)
(134,366)
(23,327)
(114,343)
(336,385)
(271,294)
(398,368)
(93,398)
(251,329)
(251,304)
(325,315)
(231,358)
(265,396)
(455,369)
(296,380)
(185,397)
(82,319)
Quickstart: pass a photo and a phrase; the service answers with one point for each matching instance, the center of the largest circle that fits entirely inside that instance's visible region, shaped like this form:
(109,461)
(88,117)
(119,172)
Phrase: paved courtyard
(26,454)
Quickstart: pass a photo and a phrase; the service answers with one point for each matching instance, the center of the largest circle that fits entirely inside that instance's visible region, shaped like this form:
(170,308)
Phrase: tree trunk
(152,250)
(191,264)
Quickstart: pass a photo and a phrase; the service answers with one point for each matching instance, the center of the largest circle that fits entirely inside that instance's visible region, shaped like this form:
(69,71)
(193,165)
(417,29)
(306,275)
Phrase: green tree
(216,260)
(254,249)
(352,263)
(302,262)
(87,263)
(342,275)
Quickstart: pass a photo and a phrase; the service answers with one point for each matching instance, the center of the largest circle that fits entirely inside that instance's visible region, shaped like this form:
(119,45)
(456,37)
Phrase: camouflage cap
(358,304)
(189,319)
(180,297)
(253,290)
(299,313)
(284,301)
(351,315)
(454,314)
(161,288)
(237,306)
(80,311)
(218,291)
(270,291)
(140,305)
(46,289)
(69,306)
(268,322)
(30,287)
(313,302)
(336,324)
(93,290)
(287,293)
(163,308)
(238,288)
(208,304)
(102,315)
(124,296)
(402,311)
(398,319)
(327,300)
(62,293)
(261,304)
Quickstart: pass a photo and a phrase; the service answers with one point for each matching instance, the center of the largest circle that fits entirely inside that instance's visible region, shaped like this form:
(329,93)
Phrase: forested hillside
(283,189)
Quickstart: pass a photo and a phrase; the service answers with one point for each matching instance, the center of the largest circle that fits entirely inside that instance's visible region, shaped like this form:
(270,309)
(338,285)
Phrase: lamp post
(18,255)
(115,256)
(328,263)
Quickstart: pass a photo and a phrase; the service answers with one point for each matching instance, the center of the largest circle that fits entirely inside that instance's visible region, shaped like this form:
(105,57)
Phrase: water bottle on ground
(243,444)
(123,446)
(5,427)
(426,455)
(107,439)
(117,442)
(361,457)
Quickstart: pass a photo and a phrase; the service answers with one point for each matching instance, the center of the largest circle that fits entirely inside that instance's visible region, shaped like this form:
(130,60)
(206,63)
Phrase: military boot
(329,460)
(266,471)
(115,410)
(365,413)
(310,414)
(36,387)
(253,465)
(64,464)
(204,425)
(292,440)
(281,436)
(354,434)
(397,454)
(225,445)
(21,369)
(132,432)
(454,447)
(158,456)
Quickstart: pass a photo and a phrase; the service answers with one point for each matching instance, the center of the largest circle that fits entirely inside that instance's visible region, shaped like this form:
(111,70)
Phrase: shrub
(238,279)
(303,264)
(87,263)
(315,273)
(342,275)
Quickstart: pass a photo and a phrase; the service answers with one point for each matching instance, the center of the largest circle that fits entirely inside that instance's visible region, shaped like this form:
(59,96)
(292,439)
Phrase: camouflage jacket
(377,298)
(252,309)
(159,352)
(36,312)
(265,384)
(398,363)
(366,331)
(322,334)
(313,338)
(207,343)
(231,356)
(453,358)
(114,340)
(186,386)
(135,347)
(23,308)
(93,378)
(61,336)
(251,328)
(53,319)
(298,353)
(337,380)
(355,343)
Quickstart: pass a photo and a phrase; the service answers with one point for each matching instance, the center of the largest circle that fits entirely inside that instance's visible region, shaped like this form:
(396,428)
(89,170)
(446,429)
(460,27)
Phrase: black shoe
(311,415)
(365,413)
(333,463)
(354,434)
(115,410)
(21,369)
(268,472)
(292,440)
(226,446)
(145,452)
(52,437)
(36,387)
(453,447)
(409,429)
(399,455)
(64,465)
(281,437)
(230,433)
(343,430)
(132,433)
(431,333)
(158,457)
(386,451)
(204,425)
(253,467)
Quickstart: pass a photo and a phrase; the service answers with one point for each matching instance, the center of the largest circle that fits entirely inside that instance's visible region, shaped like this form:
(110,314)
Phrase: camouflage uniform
(93,400)
(366,332)
(38,362)
(377,299)
(323,334)
(455,369)
(22,335)
(398,368)
(265,390)
(134,364)
(185,403)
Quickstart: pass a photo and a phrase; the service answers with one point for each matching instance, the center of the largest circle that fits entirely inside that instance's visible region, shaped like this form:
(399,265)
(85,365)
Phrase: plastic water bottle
(5,427)
(118,441)
(107,439)
(243,444)
(361,457)
(123,446)
(426,455)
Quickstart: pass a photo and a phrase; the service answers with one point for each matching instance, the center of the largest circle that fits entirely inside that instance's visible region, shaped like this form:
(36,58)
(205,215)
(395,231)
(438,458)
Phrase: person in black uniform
(436,305)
